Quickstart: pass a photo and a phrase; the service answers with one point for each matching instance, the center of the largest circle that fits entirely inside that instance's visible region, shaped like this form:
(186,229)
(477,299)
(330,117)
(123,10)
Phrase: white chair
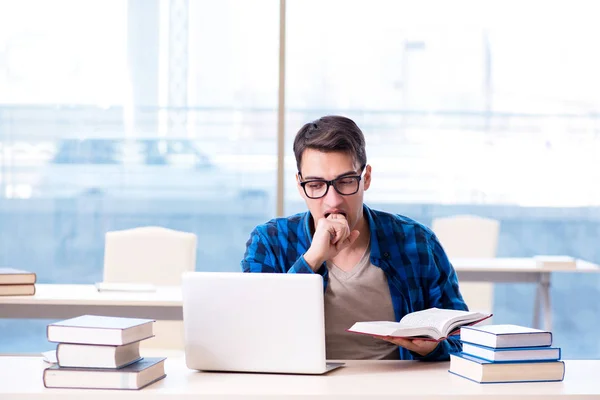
(470,236)
(152,255)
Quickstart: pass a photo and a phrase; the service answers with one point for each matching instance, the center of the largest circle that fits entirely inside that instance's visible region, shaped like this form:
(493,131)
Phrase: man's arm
(260,256)
(441,286)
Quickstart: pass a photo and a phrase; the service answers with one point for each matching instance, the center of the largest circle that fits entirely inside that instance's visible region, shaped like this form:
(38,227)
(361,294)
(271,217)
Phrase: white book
(433,323)
(96,329)
(512,354)
(482,371)
(96,356)
(134,376)
(502,336)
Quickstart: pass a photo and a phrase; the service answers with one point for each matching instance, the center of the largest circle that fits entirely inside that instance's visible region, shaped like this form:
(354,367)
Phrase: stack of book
(507,353)
(16,282)
(98,352)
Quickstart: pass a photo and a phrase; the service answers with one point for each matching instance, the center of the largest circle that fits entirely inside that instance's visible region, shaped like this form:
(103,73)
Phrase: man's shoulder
(282,225)
(399,222)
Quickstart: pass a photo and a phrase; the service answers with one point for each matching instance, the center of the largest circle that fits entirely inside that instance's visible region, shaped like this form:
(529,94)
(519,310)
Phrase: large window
(116,114)
(458,107)
(468,107)
(121,113)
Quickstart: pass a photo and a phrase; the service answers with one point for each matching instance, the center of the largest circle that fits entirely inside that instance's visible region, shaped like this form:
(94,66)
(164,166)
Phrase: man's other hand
(419,346)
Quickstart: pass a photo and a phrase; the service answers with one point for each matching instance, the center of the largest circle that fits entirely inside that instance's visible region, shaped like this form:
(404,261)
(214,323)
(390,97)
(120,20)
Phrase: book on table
(133,376)
(97,356)
(503,336)
(17,290)
(431,324)
(482,371)
(12,276)
(511,354)
(100,330)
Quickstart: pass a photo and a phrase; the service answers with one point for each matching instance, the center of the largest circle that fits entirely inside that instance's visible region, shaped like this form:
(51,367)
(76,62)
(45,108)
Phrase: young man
(376,266)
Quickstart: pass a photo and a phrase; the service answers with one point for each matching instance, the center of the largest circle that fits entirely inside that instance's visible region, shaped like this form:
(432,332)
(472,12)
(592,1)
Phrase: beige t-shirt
(361,294)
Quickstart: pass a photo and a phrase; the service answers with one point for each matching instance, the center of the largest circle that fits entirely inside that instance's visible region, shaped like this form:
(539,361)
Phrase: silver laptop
(254,322)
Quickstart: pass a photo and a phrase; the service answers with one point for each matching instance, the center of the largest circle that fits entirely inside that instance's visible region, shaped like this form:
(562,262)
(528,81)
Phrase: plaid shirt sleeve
(264,249)
(441,284)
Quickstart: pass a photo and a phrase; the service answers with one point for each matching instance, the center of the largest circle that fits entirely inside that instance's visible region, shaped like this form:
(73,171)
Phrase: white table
(66,301)
(21,378)
(519,270)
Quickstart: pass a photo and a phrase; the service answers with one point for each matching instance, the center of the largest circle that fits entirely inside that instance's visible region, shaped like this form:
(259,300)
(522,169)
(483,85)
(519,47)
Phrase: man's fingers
(422,347)
(338,229)
(348,241)
(353,236)
(406,343)
(341,234)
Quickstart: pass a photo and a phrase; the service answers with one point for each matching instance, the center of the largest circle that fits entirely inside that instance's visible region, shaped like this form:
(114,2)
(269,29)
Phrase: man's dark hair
(329,134)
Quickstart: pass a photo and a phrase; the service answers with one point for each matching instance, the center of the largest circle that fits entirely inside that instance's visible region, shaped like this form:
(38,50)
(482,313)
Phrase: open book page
(389,328)
(434,323)
(442,320)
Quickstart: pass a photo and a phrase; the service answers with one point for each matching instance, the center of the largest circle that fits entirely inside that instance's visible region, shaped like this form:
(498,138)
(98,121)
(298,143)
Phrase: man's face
(329,166)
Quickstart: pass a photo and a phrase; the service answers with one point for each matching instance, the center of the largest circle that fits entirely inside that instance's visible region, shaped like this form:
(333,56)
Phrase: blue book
(481,371)
(505,336)
(512,354)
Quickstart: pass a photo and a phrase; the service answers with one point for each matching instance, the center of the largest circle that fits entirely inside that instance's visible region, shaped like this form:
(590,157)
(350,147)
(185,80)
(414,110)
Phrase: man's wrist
(314,262)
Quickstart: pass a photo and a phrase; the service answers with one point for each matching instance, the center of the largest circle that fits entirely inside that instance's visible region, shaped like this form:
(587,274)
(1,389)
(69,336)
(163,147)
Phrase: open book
(433,324)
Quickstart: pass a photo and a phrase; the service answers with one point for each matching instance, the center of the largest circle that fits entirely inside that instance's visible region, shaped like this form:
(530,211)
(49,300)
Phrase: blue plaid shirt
(418,271)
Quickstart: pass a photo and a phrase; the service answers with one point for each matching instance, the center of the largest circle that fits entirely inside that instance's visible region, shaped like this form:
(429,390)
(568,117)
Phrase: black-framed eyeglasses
(344,185)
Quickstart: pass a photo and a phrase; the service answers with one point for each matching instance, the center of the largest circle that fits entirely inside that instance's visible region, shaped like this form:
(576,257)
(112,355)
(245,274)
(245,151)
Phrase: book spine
(57,354)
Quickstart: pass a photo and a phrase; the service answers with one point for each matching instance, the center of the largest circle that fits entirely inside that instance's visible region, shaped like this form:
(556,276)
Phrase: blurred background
(123,113)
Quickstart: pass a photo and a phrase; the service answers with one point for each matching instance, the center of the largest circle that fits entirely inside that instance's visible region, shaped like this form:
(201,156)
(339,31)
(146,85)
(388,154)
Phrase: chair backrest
(150,254)
(467,236)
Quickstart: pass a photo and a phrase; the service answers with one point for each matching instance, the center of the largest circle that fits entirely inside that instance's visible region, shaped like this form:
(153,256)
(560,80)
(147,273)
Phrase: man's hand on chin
(419,346)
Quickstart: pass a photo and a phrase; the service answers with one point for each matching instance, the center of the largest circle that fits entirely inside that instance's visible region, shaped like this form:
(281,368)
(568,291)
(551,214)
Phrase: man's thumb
(353,236)
(348,241)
